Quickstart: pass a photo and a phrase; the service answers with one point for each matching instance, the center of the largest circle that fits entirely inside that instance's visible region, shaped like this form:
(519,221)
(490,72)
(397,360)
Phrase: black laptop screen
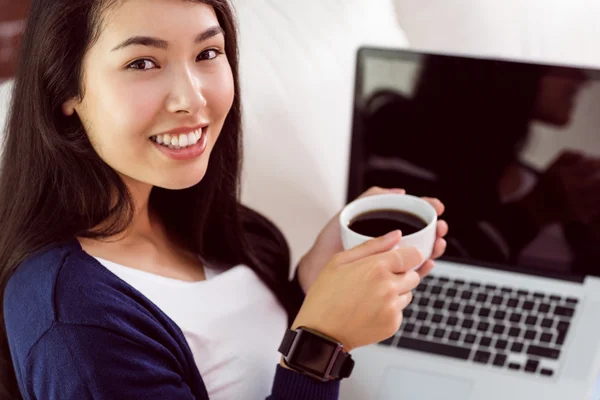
(512,149)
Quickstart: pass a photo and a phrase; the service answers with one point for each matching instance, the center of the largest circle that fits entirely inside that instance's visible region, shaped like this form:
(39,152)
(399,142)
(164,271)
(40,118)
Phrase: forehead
(172,20)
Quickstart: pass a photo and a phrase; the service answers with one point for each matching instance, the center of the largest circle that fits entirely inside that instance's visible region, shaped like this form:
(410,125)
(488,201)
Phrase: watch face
(313,353)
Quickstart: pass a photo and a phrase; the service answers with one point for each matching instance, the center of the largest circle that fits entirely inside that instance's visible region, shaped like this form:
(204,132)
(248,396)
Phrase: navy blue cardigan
(77,331)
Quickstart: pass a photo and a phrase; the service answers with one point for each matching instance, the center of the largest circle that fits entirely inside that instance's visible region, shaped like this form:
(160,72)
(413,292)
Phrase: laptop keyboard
(503,326)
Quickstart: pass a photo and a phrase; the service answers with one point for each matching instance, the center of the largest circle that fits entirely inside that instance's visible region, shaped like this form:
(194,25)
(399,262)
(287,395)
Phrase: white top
(231,321)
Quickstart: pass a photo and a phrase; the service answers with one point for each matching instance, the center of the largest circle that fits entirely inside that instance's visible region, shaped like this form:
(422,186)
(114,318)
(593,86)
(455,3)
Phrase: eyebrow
(163,44)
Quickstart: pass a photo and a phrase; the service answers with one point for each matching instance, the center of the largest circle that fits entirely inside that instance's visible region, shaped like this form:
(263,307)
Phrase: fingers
(404,259)
(403,301)
(437,204)
(439,248)
(426,268)
(406,282)
(370,247)
(442,228)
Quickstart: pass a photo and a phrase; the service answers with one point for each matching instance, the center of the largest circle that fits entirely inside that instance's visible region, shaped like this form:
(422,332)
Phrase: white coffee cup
(423,240)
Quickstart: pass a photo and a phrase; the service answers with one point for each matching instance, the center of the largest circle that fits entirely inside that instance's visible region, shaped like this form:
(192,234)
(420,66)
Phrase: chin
(180,181)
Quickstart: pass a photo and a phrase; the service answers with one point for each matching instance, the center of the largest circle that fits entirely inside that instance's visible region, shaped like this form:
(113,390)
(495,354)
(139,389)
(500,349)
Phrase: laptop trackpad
(402,384)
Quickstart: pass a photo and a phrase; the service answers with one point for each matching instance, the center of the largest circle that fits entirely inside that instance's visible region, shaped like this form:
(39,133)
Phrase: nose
(185,94)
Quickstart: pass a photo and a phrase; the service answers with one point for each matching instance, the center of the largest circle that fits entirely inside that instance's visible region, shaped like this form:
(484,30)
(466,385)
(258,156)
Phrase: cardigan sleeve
(87,362)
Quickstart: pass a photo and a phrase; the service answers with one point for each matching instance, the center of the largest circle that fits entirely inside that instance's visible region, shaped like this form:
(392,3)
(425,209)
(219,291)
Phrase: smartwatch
(316,355)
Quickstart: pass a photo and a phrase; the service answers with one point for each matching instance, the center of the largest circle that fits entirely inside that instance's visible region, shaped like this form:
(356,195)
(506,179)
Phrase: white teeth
(178,141)
(183,140)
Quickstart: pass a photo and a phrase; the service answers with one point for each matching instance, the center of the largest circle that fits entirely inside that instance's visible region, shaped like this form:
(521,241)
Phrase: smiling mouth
(180,141)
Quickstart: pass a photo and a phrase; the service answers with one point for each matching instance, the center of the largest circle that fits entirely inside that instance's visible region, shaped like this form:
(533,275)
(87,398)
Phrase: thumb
(378,245)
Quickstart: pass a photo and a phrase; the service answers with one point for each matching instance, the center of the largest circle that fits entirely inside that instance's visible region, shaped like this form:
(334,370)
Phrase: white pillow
(297,76)
(540,30)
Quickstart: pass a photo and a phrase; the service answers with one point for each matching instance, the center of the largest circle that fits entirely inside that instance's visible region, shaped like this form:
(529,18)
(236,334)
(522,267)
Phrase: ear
(68,107)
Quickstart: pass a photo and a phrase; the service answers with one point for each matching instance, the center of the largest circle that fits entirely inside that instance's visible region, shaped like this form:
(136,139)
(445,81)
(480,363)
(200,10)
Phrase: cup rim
(345,225)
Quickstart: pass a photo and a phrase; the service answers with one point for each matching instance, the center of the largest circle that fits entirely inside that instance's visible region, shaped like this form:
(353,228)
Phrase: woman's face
(157,89)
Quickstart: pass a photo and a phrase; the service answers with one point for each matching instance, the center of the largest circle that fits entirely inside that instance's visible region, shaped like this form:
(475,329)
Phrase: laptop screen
(512,149)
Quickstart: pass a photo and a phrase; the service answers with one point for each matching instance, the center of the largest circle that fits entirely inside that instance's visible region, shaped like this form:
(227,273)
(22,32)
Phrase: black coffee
(379,222)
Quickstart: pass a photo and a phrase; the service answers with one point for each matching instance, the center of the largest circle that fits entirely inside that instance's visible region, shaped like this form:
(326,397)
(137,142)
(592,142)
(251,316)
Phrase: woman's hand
(329,243)
(359,296)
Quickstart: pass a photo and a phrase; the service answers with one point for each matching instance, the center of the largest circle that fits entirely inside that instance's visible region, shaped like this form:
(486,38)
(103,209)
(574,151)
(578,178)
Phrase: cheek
(220,92)
(130,108)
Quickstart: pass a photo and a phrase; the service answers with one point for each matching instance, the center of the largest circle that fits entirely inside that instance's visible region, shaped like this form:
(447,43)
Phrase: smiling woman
(128,267)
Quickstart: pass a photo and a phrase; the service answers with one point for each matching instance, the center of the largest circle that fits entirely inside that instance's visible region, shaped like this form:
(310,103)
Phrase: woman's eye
(142,64)
(209,54)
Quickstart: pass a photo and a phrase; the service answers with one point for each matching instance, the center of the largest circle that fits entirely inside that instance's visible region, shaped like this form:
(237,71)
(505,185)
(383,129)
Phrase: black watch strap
(342,368)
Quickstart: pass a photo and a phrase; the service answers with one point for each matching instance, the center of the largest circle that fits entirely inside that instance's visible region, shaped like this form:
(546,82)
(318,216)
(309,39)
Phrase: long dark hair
(53,185)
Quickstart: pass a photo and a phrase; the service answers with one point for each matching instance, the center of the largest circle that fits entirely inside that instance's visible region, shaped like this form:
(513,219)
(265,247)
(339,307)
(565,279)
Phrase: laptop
(512,311)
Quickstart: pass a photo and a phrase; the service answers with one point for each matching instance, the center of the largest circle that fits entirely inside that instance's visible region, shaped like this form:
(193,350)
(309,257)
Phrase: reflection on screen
(512,149)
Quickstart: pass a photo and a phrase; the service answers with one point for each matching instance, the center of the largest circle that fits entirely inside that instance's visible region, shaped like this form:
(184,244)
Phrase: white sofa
(298,74)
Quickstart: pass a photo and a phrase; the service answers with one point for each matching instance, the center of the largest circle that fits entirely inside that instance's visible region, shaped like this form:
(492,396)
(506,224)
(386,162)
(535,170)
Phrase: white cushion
(297,75)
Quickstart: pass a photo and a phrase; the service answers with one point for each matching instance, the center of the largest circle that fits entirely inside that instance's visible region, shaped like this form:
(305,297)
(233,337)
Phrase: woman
(129,267)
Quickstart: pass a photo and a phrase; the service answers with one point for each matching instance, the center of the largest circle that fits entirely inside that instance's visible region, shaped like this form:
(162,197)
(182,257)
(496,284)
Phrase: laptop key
(424,302)
(517,347)
(546,338)
(522,292)
(407,313)
(439,333)
(483,326)
(560,339)
(539,295)
(531,320)
(530,334)
(563,326)
(514,332)
(470,338)
(547,372)
(455,336)
(501,344)
(512,302)
(499,329)
(514,366)
(497,300)
(388,341)
(434,348)
(544,352)
(424,331)
(436,289)
(422,315)
(500,315)
(485,341)
(544,308)
(500,360)
(454,306)
(475,285)
(468,323)
(555,298)
(482,357)
(506,289)
(443,279)
(451,292)
(409,328)
(490,287)
(528,305)
(531,366)
(547,323)
(439,304)
(572,300)
(481,298)
(515,317)
(469,310)
(459,282)
(452,321)
(484,312)
(437,318)
(466,295)
(564,311)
